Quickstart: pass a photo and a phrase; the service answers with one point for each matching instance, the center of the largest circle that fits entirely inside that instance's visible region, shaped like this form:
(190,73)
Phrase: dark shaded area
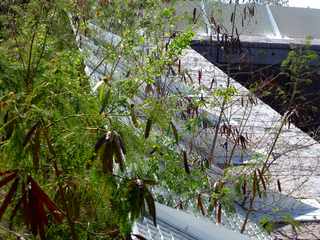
(257,66)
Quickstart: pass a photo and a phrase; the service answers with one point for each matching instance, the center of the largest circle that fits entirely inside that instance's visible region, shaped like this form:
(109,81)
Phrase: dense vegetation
(83,164)
(72,166)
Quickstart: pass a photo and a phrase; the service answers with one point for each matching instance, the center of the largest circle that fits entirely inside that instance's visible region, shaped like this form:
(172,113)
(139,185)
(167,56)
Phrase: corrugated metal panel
(178,225)
(297,22)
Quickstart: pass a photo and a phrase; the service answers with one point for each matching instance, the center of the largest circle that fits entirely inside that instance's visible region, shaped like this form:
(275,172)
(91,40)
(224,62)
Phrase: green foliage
(56,130)
(226,93)
(267,224)
(102,158)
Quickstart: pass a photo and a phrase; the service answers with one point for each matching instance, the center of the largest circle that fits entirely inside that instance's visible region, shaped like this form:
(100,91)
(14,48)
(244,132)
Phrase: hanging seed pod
(179,66)
(151,205)
(243,142)
(244,187)
(107,158)
(232,18)
(133,116)
(199,77)
(107,154)
(175,132)
(189,76)
(148,128)
(194,15)
(258,188)
(196,110)
(99,143)
(212,82)
(213,203)
(30,134)
(119,154)
(254,184)
(279,185)
(200,205)
(122,145)
(218,213)
(185,162)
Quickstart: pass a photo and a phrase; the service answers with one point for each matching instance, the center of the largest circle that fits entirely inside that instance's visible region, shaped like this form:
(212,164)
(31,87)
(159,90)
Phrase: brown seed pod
(194,15)
(175,132)
(254,184)
(179,66)
(218,213)
(279,185)
(106,153)
(199,77)
(244,187)
(119,154)
(232,18)
(148,128)
(185,162)
(30,133)
(258,189)
(133,116)
(212,82)
(200,205)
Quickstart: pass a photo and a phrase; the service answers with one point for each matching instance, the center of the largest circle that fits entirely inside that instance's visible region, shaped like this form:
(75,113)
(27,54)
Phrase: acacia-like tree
(80,159)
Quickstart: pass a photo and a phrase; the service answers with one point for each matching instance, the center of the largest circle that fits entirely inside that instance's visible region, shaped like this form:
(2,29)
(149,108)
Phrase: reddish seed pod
(199,76)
